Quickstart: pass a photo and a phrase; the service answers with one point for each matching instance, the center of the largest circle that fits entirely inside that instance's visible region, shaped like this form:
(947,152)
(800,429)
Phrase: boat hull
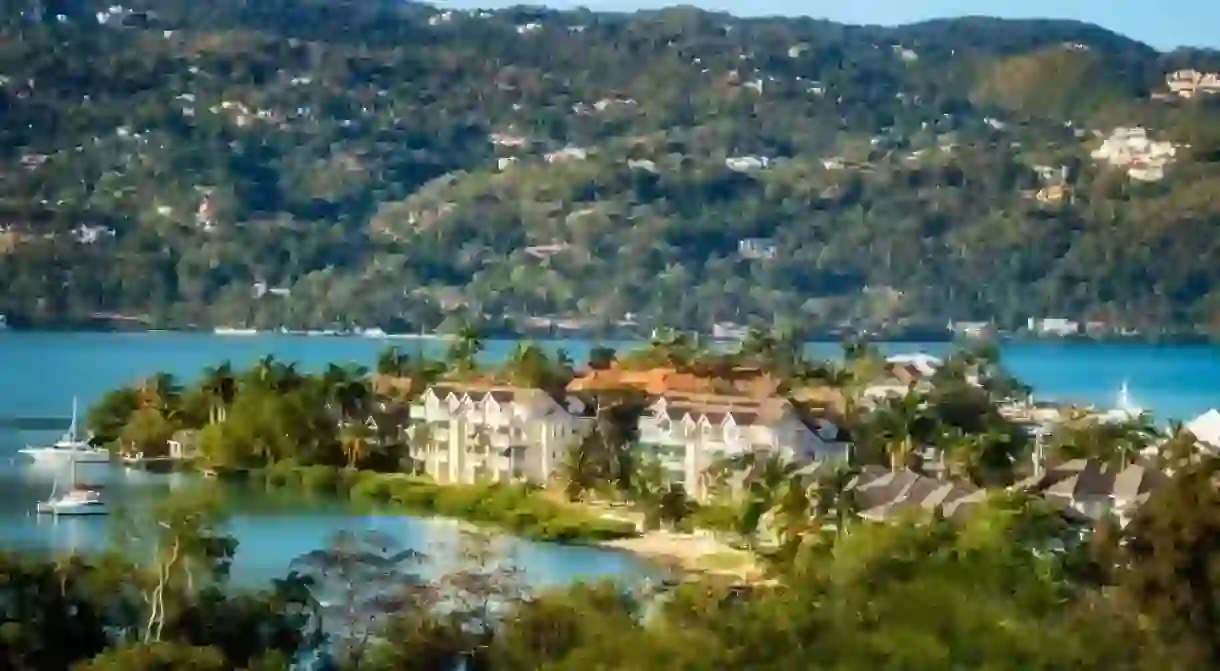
(54,456)
(50,508)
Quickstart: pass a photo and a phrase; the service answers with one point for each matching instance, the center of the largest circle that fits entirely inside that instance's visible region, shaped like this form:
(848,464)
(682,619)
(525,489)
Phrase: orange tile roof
(666,381)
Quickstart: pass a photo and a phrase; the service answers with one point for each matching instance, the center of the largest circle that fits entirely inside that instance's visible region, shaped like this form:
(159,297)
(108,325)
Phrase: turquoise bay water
(41,372)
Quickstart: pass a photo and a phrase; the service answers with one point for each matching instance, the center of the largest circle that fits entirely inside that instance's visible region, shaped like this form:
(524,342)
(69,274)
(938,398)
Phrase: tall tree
(1169,568)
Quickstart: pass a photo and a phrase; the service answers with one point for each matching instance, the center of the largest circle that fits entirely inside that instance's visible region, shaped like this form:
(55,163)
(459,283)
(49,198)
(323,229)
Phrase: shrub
(519,508)
(319,478)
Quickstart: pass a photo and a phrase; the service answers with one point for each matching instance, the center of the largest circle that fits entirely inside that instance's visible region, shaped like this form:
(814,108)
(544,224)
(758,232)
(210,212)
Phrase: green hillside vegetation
(343,154)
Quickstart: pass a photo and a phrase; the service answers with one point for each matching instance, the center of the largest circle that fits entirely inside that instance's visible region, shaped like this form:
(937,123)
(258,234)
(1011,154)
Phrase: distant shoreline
(817,338)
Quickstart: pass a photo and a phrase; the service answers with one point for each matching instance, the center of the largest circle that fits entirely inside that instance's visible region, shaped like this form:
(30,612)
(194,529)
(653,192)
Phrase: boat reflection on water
(65,534)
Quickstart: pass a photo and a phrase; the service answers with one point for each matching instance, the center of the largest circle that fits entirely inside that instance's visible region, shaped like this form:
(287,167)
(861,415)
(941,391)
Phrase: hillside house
(88,235)
(1190,83)
(1131,148)
(747,163)
(480,432)
(757,248)
(1055,193)
(508,140)
(1053,326)
(568,153)
(970,329)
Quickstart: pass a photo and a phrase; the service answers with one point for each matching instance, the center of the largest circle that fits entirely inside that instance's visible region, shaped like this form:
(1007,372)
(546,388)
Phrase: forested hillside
(313,162)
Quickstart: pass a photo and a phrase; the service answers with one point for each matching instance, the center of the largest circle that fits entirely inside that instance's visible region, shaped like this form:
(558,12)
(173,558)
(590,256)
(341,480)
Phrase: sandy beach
(697,552)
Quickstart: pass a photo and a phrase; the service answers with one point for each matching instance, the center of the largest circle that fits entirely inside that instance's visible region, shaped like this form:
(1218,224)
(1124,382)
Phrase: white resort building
(495,433)
(692,432)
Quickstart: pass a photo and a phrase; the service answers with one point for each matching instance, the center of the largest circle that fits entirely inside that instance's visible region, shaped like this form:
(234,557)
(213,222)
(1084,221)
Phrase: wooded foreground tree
(1169,565)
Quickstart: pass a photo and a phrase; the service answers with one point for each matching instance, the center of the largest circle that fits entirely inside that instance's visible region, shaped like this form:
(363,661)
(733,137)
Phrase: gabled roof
(476,392)
(1088,478)
(718,409)
(883,494)
(1206,428)
(663,381)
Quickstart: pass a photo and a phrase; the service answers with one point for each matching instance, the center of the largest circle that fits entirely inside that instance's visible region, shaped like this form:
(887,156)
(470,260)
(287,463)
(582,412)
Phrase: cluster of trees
(1012,585)
(343,153)
(344,420)
(1008,588)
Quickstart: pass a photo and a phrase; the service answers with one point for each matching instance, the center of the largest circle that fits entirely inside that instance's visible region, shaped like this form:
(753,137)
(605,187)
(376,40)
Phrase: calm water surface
(41,372)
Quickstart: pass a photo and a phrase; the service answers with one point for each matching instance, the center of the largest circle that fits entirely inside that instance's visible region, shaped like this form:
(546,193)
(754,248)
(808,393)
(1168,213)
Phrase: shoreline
(697,553)
(580,524)
(1171,339)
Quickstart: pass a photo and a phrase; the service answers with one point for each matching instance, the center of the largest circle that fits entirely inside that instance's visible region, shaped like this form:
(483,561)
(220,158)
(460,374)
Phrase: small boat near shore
(67,447)
(79,500)
(231,331)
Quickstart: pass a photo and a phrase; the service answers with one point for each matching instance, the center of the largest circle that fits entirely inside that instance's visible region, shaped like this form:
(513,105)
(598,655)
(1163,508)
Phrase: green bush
(521,509)
(319,478)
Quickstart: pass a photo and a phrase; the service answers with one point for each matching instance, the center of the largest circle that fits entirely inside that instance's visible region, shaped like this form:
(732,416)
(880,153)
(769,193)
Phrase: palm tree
(276,376)
(758,344)
(219,385)
(1115,443)
(1178,448)
(777,351)
(898,422)
(465,348)
(161,391)
(766,476)
(266,371)
(348,389)
(672,348)
(986,459)
(529,366)
(355,439)
(393,362)
(836,499)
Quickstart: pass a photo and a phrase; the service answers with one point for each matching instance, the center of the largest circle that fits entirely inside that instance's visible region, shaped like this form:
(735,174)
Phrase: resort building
(1206,430)
(903,373)
(1095,489)
(882,494)
(694,421)
(691,433)
(477,432)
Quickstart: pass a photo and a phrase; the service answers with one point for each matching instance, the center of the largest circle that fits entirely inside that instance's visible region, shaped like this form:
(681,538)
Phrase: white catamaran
(68,446)
(78,500)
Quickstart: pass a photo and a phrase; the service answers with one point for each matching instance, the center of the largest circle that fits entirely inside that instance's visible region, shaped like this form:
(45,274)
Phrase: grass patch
(520,509)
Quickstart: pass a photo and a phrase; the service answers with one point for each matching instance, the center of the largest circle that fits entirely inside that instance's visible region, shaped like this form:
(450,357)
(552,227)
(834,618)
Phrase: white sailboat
(68,446)
(1126,410)
(78,500)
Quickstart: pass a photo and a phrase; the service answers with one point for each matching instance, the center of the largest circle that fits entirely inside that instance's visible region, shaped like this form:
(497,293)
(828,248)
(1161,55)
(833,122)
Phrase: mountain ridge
(306,163)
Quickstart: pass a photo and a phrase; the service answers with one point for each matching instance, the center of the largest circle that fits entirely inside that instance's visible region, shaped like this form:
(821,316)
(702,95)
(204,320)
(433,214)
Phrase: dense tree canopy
(316,163)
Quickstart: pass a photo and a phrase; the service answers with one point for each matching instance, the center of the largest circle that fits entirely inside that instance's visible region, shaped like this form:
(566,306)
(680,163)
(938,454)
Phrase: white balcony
(655,436)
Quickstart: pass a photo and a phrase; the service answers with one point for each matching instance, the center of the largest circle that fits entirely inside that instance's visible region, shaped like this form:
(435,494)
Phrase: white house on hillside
(690,433)
(495,433)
